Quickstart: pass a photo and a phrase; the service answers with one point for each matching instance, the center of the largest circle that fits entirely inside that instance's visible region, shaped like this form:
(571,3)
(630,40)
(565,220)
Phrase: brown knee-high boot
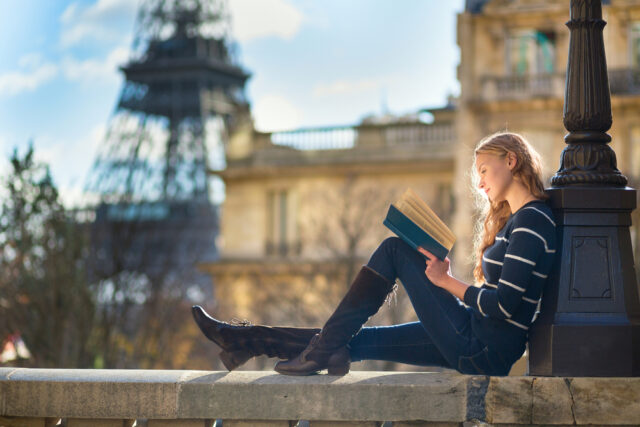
(328,350)
(240,343)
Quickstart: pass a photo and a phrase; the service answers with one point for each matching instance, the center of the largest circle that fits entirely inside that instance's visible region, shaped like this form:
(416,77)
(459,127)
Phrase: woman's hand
(437,271)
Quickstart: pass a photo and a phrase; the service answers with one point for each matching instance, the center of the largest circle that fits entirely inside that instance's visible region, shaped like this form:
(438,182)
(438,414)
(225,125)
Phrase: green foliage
(43,293)
(68,317)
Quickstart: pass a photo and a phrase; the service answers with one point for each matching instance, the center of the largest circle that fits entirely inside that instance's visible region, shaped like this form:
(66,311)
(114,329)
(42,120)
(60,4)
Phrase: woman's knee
(395,244)
(390,242)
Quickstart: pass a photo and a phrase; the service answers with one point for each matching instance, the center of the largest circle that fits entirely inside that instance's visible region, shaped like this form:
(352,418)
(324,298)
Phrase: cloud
(274,112)
(92,70)
(264,18)
(33,73)
(342,87)
(105,21)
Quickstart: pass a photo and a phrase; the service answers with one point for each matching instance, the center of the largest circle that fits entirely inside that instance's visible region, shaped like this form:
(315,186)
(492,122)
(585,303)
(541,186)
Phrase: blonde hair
(528,170)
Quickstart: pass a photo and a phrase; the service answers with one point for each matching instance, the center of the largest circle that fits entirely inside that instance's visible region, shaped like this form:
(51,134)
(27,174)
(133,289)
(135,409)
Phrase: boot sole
(339,371)
(338,365)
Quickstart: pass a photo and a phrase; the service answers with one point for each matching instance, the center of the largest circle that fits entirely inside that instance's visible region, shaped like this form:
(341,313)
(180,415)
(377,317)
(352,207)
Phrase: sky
(313,63)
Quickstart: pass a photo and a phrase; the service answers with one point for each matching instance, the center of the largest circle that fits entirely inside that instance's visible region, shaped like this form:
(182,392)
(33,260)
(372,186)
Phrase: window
(280,223)
(634,44)
(530,52)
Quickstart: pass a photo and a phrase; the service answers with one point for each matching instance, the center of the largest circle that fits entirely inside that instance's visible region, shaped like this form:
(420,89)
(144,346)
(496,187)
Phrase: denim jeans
(442,337)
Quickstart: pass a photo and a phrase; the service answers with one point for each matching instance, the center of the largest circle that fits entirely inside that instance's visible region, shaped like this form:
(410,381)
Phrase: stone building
(304,207)
(513,57)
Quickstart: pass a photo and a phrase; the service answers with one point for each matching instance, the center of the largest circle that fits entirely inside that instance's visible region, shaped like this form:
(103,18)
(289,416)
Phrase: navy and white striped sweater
(515,268)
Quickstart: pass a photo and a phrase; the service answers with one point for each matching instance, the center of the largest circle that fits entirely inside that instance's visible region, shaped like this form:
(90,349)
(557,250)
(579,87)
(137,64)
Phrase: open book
(415,223)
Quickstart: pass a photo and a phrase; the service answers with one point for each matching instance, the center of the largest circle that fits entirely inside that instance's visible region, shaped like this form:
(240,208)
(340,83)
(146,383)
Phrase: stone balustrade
(522,87)
(391,135)
(106,398)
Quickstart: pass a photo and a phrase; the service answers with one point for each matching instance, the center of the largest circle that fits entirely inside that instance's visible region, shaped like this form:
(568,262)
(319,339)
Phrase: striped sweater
(515,268)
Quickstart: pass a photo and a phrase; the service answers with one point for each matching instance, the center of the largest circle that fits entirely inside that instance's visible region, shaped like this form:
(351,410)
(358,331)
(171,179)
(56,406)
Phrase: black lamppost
(590,320)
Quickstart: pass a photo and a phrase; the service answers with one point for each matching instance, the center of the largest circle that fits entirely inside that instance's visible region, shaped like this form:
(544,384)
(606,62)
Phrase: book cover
(415,223)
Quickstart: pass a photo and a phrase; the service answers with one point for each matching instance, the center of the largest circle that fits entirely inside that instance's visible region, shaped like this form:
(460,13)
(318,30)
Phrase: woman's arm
(439,273)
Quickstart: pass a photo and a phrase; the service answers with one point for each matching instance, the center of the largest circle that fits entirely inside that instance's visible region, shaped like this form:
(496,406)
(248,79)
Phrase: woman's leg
(328,349)
(404,343)
(241,342)
(446,321)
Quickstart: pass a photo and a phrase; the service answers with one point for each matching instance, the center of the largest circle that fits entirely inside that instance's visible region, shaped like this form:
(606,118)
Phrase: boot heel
(232,359)
(339,363)
(339,370)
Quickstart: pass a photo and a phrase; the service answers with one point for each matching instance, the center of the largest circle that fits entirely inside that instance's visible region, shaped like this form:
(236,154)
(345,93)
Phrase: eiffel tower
(150,180)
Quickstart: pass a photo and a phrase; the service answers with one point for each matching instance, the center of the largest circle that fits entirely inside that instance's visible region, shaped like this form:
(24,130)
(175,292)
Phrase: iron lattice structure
(183,88)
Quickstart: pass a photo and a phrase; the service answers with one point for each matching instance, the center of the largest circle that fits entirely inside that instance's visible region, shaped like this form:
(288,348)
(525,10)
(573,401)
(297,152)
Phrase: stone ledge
(359,396)
(548,400)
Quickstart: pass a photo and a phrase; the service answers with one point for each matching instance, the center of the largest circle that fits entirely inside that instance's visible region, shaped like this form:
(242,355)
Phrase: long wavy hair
(528,170)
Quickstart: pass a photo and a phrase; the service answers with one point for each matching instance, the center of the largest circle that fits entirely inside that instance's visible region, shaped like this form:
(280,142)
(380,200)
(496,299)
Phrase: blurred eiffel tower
(155,219)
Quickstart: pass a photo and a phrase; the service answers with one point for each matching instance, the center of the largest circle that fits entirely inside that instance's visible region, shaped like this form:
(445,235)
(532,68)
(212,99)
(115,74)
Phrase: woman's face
(495,175)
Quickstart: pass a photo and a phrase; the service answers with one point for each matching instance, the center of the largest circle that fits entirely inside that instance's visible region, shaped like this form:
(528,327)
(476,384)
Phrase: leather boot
(328,350)
(241,342)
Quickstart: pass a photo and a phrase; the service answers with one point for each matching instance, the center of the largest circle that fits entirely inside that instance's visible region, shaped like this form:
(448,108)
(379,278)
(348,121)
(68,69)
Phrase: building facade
(304,208)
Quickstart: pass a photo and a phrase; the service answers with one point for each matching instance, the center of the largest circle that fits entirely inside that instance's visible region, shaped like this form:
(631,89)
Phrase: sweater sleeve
(526,246)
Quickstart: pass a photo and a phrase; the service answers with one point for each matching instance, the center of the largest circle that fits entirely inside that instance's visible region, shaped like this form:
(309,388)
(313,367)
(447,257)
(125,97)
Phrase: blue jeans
(442,337)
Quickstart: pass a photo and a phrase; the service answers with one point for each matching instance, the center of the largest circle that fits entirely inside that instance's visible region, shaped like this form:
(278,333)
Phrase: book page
(430,217)
(416,201)
(421,221)
(422,215)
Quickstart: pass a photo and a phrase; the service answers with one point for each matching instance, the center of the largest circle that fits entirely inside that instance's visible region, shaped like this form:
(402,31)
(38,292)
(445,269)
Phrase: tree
(43,293)
(82,303)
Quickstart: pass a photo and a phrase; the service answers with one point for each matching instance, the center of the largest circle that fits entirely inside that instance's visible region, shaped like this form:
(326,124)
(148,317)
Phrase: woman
(485,335)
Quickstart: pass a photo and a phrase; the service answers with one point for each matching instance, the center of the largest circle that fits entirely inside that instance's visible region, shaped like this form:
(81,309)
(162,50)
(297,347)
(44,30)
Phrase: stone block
(84,422)
(605,400)
(551,401)
(425,424)
(345,424)
(181,423)
(509,400)
(21,422)
(358,396)
(255,423)
(89,393)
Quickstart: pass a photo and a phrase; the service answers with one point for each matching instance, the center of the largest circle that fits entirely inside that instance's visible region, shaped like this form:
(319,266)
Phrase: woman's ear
(512,160)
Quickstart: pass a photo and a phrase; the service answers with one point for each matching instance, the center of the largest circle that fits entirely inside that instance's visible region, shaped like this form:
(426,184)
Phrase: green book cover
(415,236)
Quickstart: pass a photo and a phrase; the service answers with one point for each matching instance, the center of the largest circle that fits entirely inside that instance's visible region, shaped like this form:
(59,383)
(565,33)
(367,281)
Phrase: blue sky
(313,63)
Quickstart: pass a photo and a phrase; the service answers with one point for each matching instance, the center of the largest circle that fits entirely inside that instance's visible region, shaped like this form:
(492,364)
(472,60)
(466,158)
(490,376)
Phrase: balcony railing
(622,81)
(110,398)
(362,136)
(522,87)
(329,138)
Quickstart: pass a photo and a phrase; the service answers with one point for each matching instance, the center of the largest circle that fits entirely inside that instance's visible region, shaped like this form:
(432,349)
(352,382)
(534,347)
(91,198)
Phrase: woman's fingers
(425,252)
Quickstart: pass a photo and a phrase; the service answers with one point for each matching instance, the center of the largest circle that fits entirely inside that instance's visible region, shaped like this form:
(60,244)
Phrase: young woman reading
(485,335)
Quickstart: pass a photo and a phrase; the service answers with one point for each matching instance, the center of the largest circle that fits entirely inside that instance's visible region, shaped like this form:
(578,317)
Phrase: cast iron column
(590,319)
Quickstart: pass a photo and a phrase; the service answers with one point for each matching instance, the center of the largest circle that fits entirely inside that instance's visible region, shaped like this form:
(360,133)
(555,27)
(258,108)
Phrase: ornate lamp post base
(590,319)
(590,324)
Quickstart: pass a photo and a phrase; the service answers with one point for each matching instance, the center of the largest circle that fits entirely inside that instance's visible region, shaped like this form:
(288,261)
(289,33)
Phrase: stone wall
(39,397)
